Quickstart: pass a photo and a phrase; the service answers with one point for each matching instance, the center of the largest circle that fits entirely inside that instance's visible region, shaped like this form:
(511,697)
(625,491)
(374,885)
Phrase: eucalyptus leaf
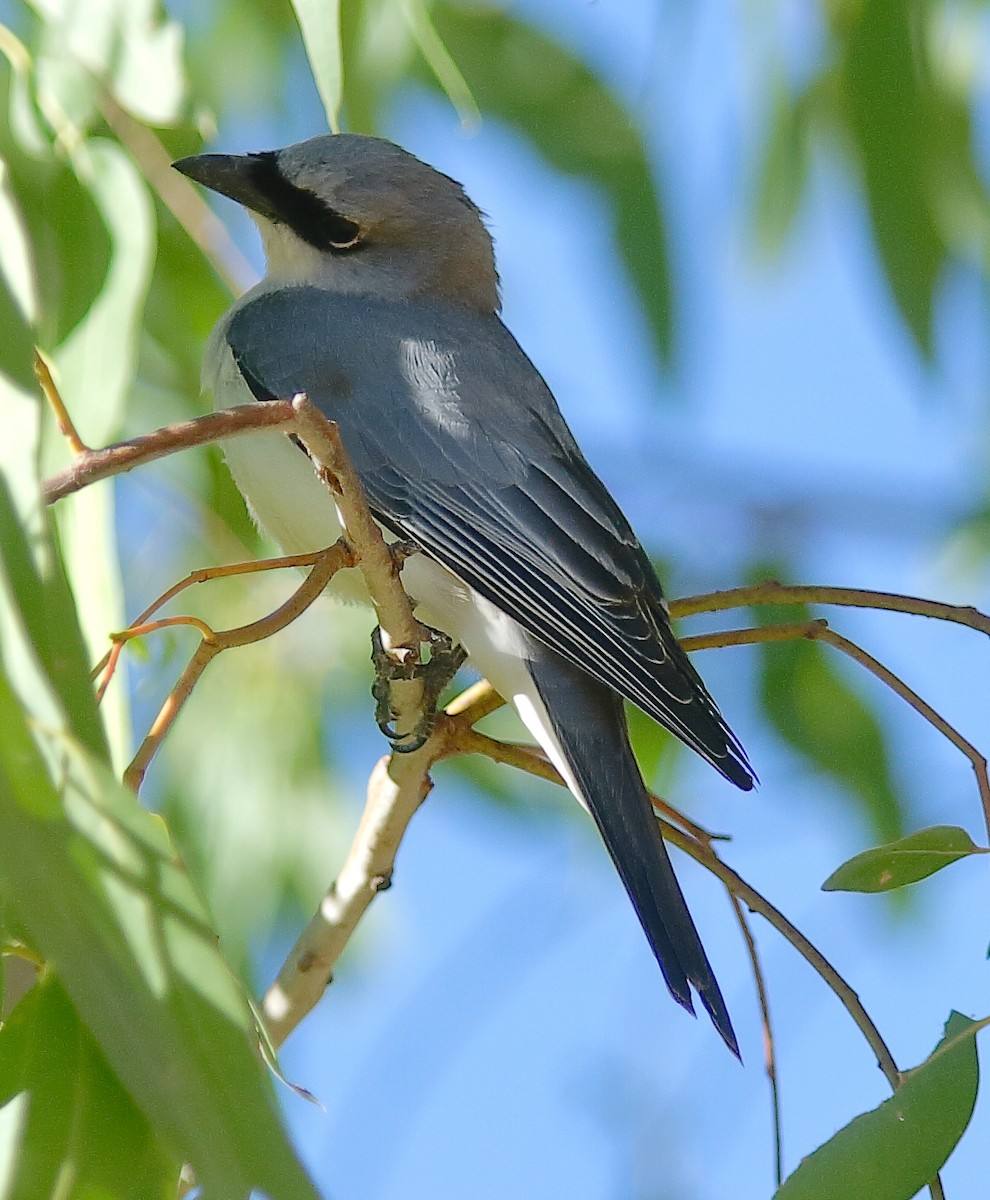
(891,1152)
(138,960)
(37,585)
(69,1112)
(319,21)
(892,116)
(783,170)
(902,862)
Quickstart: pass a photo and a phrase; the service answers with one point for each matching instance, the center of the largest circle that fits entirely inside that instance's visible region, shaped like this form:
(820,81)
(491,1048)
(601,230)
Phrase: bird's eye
(346,235)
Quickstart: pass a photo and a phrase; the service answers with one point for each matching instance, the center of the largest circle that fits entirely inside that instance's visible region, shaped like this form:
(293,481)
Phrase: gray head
(359,214)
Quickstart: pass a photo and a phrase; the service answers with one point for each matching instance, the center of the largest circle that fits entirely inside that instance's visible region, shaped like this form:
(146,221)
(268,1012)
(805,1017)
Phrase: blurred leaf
(64,228)
(97,360)
(894,119)
(811,706)
(74,1120)
(129,940)
(564,109)
(18,290)
(43,600)
(319,21)
(905,861)
(893,1151)
(125,44)
(438,59)
(783,170)
(378,47)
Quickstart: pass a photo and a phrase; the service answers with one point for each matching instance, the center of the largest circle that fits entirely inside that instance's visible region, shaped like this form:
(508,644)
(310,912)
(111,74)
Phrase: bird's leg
(436,666)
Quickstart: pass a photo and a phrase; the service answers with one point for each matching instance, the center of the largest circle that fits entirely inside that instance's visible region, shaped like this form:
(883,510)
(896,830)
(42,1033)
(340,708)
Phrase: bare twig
(397,787)
(327,564)
(819,630)
(94,465)
(769,1046)
(772,592)
(66,427)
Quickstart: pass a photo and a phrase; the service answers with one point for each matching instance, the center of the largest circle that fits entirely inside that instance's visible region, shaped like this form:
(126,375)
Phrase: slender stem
(66,426)
(773,592)
(94,465)
(769,1045)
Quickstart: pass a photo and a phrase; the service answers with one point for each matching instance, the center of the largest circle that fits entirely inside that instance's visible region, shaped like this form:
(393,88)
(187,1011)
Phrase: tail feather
(590,729)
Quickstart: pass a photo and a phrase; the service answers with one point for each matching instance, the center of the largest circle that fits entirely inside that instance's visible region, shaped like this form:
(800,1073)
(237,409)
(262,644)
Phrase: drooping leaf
(891,1152)
(40,592)
(135,954)
(74,1119)
(566,111)
(319,21)
(18,290)
(902,862)
(899,134)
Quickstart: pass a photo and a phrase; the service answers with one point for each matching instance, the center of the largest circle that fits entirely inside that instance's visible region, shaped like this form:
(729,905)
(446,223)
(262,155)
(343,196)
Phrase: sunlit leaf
(319,21)
(18,290)
(893,1151)
(567,112)
(140,964)
(905,861)
(69,1113)
(127,46)
(40,593)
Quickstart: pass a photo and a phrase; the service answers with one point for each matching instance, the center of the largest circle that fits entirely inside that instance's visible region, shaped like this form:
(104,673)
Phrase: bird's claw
(434,674)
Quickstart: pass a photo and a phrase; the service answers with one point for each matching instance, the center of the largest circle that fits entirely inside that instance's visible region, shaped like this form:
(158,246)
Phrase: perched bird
(381,303)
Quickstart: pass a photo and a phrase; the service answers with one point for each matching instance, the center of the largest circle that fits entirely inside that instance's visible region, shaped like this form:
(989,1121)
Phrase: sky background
(499,1027)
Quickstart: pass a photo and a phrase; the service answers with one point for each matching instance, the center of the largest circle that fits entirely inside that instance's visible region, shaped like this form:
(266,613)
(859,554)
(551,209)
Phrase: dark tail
(590,727)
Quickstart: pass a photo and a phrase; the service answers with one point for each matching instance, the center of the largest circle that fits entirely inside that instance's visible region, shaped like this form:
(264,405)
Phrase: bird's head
(359,214)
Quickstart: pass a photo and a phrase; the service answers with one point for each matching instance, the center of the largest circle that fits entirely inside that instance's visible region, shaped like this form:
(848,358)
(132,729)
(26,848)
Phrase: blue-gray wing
(461,448)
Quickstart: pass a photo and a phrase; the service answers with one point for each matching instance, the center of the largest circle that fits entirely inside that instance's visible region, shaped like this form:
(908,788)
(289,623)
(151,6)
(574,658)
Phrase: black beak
(243,177)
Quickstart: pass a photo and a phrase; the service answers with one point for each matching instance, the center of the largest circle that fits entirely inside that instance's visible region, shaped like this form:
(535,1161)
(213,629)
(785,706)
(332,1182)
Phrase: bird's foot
(437,664)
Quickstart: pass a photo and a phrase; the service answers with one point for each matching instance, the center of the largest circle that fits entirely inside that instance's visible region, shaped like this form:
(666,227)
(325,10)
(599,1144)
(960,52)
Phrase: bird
(381,302)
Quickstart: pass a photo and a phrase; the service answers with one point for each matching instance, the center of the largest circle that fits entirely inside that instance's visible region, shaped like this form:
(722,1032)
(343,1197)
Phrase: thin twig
(818,630)
(769,1045)
(470,741)
(66,426)
(398,786)
(202,575)
(885,675)
(94,465)
(328,563)
(772,592)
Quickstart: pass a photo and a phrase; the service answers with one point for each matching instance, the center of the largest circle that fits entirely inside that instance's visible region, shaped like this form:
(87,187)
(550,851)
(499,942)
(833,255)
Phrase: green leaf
(809,704)
(73,1120)
(783,171)
(133,950)
(893,1151)
(18,289)
(565,110)
(42,598)
(898,132)
(319,21)
(905,861)
(63,226)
